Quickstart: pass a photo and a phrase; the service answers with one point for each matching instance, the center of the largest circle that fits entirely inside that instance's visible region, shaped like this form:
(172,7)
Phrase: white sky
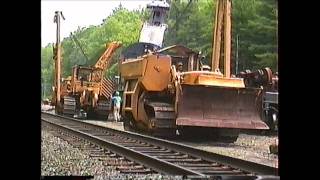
(78,13)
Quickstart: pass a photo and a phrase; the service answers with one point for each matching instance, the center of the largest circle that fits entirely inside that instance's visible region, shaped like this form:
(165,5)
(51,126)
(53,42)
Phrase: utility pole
(57,59)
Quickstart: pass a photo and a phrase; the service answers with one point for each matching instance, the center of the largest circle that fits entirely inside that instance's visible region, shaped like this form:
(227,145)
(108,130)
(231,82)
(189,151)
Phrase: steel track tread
(163,120)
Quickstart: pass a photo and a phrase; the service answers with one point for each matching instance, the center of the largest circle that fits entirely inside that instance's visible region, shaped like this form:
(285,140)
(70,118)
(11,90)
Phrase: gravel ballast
(59,158)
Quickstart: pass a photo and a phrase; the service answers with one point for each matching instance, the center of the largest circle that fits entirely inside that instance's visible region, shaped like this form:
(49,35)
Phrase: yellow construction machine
(86,91)
(161,97)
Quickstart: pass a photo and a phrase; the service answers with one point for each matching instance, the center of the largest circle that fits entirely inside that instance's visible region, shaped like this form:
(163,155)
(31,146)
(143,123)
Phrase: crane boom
(103,63)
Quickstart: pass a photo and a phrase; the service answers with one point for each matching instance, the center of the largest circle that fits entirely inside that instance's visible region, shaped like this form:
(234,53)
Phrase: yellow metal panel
(131,69)
(212,80)
(157,73)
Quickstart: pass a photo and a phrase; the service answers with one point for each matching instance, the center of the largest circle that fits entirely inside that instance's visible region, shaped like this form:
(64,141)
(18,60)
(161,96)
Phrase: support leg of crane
(228,135)
(216,134)
(69,105)
(164,132)
(162,119)
(103,109)
(129,124)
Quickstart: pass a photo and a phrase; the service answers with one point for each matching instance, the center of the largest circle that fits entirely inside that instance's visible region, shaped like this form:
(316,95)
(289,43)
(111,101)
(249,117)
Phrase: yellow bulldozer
(86,92)
(169,89)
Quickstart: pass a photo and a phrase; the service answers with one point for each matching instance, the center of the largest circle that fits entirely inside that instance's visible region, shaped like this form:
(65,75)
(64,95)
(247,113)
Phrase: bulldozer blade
(221,107)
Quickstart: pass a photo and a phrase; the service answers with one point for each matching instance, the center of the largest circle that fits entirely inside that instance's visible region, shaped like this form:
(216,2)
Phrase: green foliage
(113,70)
(263,36)
(254,21)
(46,70)
(190,24)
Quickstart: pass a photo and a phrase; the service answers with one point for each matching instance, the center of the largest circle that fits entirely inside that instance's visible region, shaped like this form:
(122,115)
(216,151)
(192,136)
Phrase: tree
(47,70)
(256,23)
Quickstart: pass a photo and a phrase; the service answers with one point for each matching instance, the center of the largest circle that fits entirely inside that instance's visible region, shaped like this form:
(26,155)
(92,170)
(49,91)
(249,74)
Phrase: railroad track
(160,155)
(109,158)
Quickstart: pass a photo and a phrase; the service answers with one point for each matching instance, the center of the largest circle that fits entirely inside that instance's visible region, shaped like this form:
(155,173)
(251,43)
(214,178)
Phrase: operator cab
(81,73)
(138,50)
(189,58)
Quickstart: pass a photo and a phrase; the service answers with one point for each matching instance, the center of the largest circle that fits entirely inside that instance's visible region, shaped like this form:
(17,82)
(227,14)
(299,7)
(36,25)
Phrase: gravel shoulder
(253,148)
(60,158)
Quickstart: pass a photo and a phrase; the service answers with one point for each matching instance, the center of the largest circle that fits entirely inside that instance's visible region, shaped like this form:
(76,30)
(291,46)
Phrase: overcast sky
(78,13)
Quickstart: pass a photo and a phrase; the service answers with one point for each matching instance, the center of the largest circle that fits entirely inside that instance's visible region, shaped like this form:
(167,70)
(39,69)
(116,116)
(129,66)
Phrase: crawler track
(161,155)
